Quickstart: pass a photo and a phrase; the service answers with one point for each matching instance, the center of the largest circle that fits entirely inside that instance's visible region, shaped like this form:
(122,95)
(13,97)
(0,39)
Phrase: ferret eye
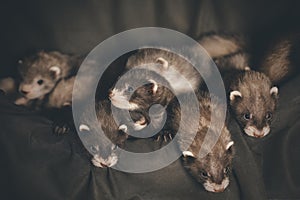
(40,82)
(247,116)
(130,89)
(204,174)
(226,170)
(269,116)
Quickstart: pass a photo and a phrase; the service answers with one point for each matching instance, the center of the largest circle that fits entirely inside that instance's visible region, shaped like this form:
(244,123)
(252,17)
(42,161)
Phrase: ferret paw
(165,136)
(61,129)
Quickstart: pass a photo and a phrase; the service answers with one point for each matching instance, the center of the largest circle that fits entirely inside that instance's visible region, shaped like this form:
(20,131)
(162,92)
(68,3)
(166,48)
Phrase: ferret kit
(159,78)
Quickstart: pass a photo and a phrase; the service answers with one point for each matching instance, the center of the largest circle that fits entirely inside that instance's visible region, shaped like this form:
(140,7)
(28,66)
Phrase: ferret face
(39,74)
(254,104)
(137,89)
(214,169)
(130,98)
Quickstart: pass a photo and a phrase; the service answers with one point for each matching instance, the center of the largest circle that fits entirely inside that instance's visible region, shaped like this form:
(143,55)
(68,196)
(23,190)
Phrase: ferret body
(176,69)
(41,72)
(281,60)
(221,44)
(214,168)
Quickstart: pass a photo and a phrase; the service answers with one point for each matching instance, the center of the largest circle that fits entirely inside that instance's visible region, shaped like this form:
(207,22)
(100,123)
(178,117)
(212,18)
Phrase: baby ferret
(106,155)
(211,169)
(138,90)
(40,72)
(252,99)
(251,95)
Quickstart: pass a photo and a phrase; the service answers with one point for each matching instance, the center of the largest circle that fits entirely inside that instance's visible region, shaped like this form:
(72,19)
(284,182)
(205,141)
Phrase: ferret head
(106,155)
(142,94)
(253,100)
(40,73)
(214,169)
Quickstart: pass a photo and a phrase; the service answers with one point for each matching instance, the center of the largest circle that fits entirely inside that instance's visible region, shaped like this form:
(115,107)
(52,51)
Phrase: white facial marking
(254,132)
(84,127)
(119,100)
(229,145)
(162,61)
(188,153)
(98,161)
(274,91)
(213,187)
(234,94)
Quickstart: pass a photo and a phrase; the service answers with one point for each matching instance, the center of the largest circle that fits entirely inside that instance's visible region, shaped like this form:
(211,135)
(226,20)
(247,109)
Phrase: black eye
(204,175)
(247,116)
(40,82)
(226,170)
(269,116)
(130,89)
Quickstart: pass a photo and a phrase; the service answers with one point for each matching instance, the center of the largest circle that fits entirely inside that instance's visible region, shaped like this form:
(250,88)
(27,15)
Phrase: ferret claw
(61,129)
(158,138)
(167,136)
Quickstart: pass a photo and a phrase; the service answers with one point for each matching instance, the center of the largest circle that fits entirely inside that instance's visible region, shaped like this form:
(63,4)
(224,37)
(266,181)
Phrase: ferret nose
(258,134)
(24,92)
(219,190)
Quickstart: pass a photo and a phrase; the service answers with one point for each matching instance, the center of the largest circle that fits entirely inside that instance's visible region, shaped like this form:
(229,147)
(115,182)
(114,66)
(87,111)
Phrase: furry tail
(221,44)
(281,59)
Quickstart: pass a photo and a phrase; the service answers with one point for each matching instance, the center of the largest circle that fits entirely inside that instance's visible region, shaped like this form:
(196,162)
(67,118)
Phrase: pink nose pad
(24,92)
(258,134)
(219,190)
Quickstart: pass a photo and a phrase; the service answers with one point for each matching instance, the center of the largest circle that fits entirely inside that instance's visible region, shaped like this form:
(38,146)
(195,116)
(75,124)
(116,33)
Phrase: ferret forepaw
(165,135)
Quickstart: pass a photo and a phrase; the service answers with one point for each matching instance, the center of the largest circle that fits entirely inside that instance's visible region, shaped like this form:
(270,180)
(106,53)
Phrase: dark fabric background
(35,164)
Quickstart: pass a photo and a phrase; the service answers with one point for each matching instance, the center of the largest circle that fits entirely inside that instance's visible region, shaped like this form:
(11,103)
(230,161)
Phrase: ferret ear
(84,127)
(234,94)
(229,145)
(154,87)
(123,128)
(247,68)
(55,70)
(274,91)
(163,62)
(188,154)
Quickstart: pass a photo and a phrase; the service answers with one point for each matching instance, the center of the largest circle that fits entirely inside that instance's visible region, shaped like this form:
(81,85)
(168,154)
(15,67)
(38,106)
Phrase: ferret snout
(24,89)
(254,132)
(24,92)
(110,161)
